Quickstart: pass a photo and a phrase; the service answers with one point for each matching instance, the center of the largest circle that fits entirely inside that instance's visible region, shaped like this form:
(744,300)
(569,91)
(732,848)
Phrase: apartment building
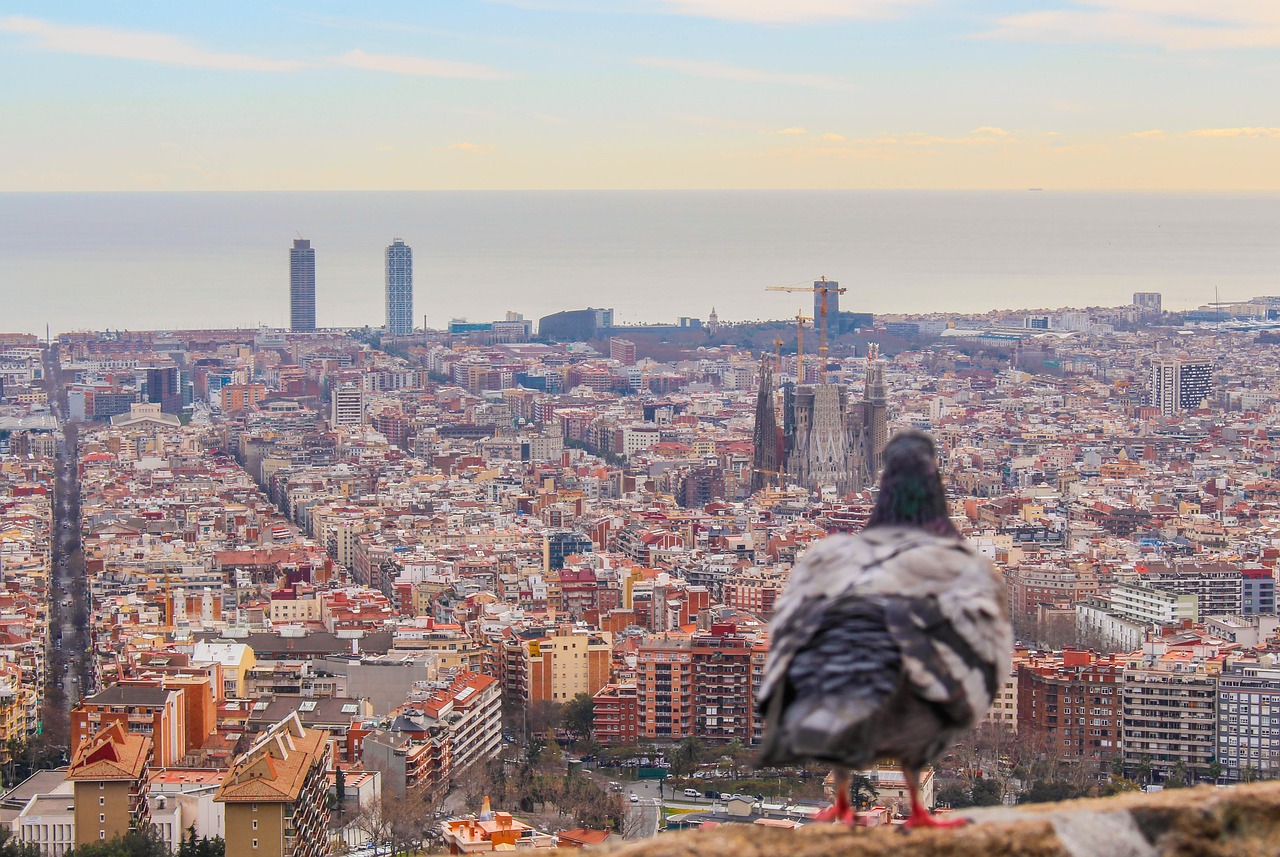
(276,795)
(1071,704)
(159,713)
(614,716)
(1249,722)
(1170,712)
(109,773)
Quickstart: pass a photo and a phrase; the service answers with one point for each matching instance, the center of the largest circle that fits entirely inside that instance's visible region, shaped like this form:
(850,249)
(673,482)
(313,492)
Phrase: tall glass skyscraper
(302,286)
(399,289)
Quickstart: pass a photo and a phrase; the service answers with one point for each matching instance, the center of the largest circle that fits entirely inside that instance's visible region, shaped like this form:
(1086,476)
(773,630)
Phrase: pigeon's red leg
(920,816)
(841,811)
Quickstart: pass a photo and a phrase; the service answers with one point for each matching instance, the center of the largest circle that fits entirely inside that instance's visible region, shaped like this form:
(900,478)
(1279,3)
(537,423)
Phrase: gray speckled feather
(884,643)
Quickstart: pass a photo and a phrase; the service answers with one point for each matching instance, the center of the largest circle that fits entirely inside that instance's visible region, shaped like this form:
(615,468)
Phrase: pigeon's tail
(838,729)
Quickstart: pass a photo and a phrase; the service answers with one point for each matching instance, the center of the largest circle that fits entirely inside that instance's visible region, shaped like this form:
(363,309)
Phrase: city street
(68,560)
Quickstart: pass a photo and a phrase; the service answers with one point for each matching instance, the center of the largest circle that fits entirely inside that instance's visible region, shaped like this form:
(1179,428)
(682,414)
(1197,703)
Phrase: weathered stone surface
(1242,821)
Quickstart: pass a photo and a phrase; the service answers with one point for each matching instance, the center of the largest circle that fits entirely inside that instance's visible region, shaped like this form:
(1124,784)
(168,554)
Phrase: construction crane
(820,287)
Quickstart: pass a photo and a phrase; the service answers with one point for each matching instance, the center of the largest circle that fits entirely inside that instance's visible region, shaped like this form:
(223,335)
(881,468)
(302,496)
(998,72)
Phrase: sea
(219,259)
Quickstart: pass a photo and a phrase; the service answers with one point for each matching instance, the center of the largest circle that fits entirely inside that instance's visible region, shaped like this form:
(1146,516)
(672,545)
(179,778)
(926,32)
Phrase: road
(652,797)
(68,587)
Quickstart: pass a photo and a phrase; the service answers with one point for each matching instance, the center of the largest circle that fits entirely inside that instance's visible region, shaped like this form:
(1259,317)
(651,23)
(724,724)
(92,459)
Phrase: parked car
(693,793)
(634,799)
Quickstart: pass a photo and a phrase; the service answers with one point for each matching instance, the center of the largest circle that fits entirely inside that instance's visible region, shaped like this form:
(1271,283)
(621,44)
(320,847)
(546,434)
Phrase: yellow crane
(819,287)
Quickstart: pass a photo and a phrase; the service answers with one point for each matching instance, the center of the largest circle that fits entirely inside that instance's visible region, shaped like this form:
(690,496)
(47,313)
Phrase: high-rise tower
(302,286)
(1180,385)
(833,300)
(399,289)
(875,424)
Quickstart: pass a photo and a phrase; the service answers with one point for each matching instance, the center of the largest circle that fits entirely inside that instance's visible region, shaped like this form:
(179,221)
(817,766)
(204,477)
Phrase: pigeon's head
(911,492)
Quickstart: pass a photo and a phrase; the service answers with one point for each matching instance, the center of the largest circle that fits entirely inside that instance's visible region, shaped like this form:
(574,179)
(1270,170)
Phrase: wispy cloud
(419,66)
(793,131)
(975,138)
(785,11)
(466,147)
(353,23)
(1272,133)
(1149,134)
(990,131)
(141,45)
(833,138)
(746,11)
(724,71)
(1177,25)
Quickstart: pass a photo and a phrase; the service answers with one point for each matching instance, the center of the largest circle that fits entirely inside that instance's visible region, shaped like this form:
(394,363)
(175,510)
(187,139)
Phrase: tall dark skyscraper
(399,289)
(164,388)
(302,286)
(833,301)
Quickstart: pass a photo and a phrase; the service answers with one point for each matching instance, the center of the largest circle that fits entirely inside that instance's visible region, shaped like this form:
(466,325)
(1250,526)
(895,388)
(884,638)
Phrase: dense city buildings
(322,556)
(302,286)
(399,288)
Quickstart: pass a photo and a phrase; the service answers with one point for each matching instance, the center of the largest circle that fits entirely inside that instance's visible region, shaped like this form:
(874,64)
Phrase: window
(255,824)
(102,801)
(102,818)
(255,843)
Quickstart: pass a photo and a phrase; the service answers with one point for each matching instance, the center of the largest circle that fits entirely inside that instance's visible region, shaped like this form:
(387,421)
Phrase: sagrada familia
(826,440)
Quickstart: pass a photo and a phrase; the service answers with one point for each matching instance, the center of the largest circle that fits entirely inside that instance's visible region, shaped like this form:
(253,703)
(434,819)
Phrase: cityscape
(820,428)
(312,591)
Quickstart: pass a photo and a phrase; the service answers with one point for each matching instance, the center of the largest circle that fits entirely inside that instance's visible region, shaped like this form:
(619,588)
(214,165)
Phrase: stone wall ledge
(1241,821)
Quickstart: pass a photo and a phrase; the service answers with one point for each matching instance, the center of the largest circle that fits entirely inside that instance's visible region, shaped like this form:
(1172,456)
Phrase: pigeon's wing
(942,604)
(952,624)
(814,582)
(824,707)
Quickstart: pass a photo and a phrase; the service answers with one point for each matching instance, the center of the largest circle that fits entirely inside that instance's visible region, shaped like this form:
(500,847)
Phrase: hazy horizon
(192,259)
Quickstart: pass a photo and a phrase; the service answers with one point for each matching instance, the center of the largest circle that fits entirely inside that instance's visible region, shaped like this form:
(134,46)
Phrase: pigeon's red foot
(924,818)
(836,814)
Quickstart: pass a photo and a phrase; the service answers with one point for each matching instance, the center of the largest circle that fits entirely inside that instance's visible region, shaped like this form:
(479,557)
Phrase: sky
(573,94)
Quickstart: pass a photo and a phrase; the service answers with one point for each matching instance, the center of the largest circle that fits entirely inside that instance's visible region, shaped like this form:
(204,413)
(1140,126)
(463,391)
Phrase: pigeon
(888,643)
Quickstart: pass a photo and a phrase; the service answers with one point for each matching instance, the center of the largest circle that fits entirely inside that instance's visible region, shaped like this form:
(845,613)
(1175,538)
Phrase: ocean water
(172,260)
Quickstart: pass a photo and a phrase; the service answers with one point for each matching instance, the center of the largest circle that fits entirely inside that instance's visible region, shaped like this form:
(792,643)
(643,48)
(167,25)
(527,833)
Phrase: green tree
(1177,778)
(739,754)
(1215,771)
(686,755)
(340,793)
(955,795)
(579,715)
(1049,791)
(145,842)
(987,792)
(862,792)
(10,846)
